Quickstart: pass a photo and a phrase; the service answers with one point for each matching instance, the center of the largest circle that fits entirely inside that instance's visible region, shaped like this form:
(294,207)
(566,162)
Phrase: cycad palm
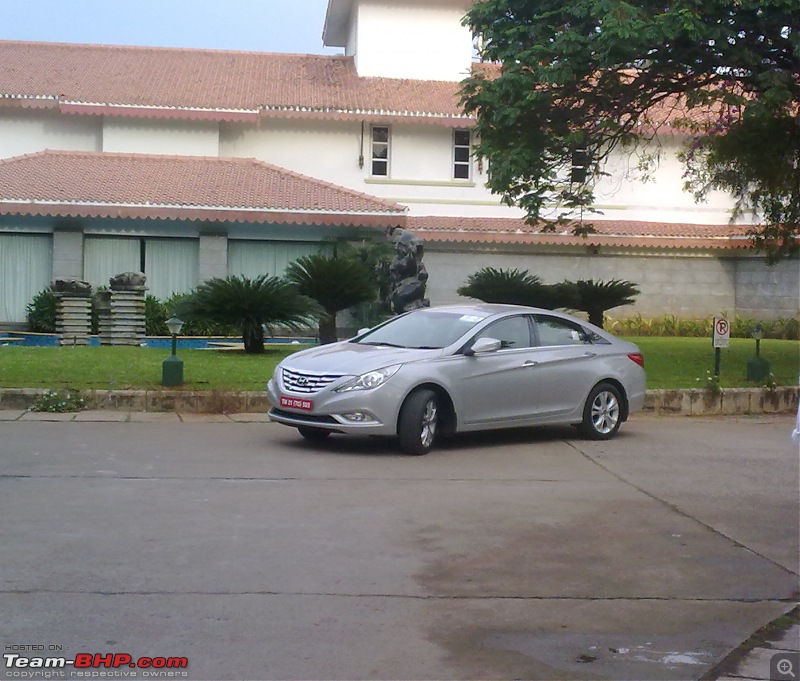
(250,304)
(595,297)
(336,283)
(512,287)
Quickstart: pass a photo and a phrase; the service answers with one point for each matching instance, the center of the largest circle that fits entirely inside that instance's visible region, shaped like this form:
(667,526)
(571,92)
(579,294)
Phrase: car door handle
(590,354)
(529,363)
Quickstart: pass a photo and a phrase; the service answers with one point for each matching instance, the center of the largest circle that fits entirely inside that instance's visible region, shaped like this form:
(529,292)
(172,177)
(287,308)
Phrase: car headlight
(370,380)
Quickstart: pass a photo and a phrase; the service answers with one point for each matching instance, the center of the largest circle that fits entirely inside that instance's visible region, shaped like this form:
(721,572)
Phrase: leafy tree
(512,287)
(580,79)
(336,283)
(249,303)
(595,297)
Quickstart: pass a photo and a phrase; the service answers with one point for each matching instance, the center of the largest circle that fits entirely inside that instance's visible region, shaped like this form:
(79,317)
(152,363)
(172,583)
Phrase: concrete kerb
(725,402)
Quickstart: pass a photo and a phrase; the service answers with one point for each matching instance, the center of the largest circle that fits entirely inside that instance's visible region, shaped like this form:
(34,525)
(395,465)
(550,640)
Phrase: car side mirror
(484,345)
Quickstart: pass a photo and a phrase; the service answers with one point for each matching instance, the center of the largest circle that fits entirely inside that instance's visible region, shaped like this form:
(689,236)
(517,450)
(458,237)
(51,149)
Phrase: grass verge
(670,363)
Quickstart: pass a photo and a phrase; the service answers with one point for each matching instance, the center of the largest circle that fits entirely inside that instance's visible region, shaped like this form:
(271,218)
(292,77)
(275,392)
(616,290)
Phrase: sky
(253,25)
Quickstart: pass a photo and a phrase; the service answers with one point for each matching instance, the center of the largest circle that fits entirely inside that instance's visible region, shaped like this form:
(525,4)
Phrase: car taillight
(637,357)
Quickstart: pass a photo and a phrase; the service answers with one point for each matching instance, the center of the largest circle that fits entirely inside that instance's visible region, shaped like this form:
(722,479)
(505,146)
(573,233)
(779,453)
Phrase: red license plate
(297,403)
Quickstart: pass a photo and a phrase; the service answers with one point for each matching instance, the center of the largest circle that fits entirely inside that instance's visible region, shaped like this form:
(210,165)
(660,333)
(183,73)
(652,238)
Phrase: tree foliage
(336,283)
(248,303)
(582,78)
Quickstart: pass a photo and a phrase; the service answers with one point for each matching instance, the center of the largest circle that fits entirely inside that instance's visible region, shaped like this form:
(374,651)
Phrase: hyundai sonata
(441,370)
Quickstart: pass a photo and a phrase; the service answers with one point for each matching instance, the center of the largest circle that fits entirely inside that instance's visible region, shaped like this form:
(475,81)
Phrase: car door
(566,365)
(497,387)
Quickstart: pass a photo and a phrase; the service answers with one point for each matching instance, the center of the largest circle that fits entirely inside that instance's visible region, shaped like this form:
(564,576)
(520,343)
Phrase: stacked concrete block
(102,304)
(122,310)
(73,320)
(74,311)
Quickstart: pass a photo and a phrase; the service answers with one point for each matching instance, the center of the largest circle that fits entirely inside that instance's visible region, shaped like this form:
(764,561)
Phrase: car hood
(353,358)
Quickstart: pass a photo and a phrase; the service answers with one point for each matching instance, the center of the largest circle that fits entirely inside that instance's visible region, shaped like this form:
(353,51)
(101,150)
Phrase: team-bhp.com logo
(96,661)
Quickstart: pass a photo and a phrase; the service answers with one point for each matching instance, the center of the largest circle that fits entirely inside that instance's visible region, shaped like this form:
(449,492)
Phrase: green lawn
(684,362)
(670,363)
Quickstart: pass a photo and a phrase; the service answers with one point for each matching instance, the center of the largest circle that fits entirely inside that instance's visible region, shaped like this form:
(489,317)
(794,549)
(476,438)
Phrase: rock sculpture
(128,281)
(407,272)
(74,287)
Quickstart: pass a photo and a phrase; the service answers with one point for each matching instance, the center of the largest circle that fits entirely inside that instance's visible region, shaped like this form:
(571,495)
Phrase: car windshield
(426,329)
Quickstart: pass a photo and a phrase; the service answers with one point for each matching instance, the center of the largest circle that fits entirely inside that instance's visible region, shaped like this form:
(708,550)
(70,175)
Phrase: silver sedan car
(442,370)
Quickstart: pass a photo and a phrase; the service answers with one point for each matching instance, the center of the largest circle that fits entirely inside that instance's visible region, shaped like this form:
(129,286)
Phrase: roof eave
(223,214)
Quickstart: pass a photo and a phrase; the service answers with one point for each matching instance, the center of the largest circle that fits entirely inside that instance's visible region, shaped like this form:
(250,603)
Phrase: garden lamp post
(757,368)
(172,367)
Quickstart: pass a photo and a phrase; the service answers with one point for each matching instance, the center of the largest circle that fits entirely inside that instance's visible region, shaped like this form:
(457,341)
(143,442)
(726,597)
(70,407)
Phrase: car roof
(484,309)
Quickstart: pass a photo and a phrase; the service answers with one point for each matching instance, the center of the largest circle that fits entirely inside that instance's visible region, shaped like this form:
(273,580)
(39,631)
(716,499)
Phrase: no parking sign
(722,333)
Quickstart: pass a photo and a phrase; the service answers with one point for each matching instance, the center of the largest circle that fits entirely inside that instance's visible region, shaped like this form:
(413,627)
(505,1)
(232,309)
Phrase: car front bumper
(372,412)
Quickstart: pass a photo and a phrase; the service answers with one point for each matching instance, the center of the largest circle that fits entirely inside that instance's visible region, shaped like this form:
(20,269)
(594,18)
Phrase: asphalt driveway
(530,555)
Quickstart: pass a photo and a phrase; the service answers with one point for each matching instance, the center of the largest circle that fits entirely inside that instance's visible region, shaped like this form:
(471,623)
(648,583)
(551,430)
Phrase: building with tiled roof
(189,164)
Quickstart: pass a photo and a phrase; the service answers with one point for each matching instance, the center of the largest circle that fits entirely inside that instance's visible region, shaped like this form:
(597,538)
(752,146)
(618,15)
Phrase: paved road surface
(530,555)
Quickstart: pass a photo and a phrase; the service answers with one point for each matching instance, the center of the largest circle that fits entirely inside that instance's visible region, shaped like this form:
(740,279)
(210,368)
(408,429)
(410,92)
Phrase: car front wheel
(418,423)
(602,414)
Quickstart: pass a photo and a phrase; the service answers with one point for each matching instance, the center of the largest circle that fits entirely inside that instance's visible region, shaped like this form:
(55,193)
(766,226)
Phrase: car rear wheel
(418,423)
(310,433)
(602,414)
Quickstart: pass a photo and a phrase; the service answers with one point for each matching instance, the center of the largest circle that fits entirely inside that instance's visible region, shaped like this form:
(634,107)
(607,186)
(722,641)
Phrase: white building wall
(411,39)
(326,150)
(180,138)
(421,163)
(627,194)
(32,131)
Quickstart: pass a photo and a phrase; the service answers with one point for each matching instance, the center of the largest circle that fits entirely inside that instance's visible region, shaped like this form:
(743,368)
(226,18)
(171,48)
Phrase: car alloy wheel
(602,414)
(418,423)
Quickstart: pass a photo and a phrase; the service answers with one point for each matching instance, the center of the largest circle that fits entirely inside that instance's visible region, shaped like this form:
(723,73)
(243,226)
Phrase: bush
(155,317)
(41,312)
(670,325)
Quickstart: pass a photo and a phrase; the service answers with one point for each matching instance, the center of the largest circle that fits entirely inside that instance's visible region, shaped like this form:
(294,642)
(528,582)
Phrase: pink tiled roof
(68,183)
(611,233)
(214,84)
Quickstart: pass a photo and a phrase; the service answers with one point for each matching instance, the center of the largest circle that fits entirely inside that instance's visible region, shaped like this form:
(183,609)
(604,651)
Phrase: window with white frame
(461,154)
(381,135)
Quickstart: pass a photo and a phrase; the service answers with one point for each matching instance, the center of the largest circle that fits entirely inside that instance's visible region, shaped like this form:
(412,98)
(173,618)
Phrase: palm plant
(595,297)
(249,303)
(336,283)
(512,287)
(377,256)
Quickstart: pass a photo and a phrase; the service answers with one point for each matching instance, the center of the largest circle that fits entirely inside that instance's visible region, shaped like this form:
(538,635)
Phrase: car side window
(555,331)
(513,332)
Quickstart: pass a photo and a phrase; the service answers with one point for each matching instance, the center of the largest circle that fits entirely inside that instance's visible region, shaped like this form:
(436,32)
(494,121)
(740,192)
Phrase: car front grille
(306,383)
